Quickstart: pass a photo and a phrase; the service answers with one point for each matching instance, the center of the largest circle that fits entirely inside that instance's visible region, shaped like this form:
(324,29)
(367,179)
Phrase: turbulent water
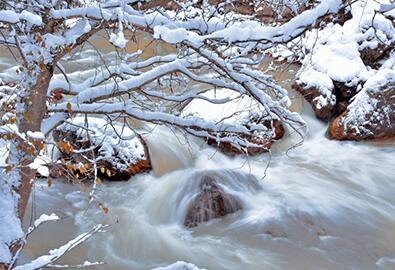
(322,205)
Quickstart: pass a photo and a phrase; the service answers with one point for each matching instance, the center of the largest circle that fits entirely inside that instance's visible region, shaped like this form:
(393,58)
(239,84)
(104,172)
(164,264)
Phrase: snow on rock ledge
(236,110)
(341,58)
(371,115)
(119,151)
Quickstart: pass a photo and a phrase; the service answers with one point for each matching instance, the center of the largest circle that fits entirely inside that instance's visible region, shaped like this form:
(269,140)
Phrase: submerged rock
(211,202)
(370,116)
(119,152)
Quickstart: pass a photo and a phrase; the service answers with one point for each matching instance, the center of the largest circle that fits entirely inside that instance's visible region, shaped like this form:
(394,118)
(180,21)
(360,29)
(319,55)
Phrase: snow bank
(335,49)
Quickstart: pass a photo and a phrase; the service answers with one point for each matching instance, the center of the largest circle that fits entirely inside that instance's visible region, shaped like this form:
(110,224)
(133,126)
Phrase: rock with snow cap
(237,110)
(341,57)
(371,115)
(330,104)
(259,143)
(119,152)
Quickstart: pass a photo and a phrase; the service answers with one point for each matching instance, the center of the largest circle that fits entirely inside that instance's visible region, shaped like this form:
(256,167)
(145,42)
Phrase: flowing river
(325,205)
(322,205)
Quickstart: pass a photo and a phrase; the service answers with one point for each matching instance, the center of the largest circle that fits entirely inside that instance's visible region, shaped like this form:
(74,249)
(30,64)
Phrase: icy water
(323,205)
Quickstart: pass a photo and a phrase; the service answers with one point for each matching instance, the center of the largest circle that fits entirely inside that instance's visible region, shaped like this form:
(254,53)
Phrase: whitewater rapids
(323,205)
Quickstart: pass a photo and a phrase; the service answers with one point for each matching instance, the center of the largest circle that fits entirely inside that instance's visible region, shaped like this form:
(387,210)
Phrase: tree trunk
(34,114)
(23,156)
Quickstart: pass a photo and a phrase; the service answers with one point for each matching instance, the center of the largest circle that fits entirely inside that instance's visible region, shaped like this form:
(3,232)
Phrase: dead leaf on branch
(65,147)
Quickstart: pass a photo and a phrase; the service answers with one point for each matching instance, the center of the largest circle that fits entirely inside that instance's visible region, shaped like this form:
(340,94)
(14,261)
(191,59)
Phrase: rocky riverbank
(348,73)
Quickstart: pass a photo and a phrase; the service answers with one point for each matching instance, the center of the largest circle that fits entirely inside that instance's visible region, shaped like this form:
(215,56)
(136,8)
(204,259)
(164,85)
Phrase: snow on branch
(76,266)
(41,220)
(9,16)
(251,31)
(55,254)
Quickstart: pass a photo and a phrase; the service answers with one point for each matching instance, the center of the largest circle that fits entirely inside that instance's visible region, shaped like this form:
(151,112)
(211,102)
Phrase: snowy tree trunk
(34,114)
(24,153)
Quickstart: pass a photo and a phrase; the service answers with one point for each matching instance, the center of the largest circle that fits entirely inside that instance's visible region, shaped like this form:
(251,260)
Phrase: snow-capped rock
(119,152)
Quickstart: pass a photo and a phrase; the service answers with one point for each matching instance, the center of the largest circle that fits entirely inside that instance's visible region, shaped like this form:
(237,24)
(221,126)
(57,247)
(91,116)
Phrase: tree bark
(34,114)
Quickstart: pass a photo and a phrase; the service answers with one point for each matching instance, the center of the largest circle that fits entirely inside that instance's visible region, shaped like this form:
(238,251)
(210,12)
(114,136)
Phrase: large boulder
(371,115)
(340,58)
(118,150)
(239,110)
(211,202)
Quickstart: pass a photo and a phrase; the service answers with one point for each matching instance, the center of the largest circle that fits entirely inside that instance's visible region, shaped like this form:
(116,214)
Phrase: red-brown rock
(342,93)
(76,153)
(375,118)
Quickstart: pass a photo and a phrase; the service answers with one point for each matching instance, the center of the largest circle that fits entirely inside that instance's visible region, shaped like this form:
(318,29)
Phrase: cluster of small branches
(226,61)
